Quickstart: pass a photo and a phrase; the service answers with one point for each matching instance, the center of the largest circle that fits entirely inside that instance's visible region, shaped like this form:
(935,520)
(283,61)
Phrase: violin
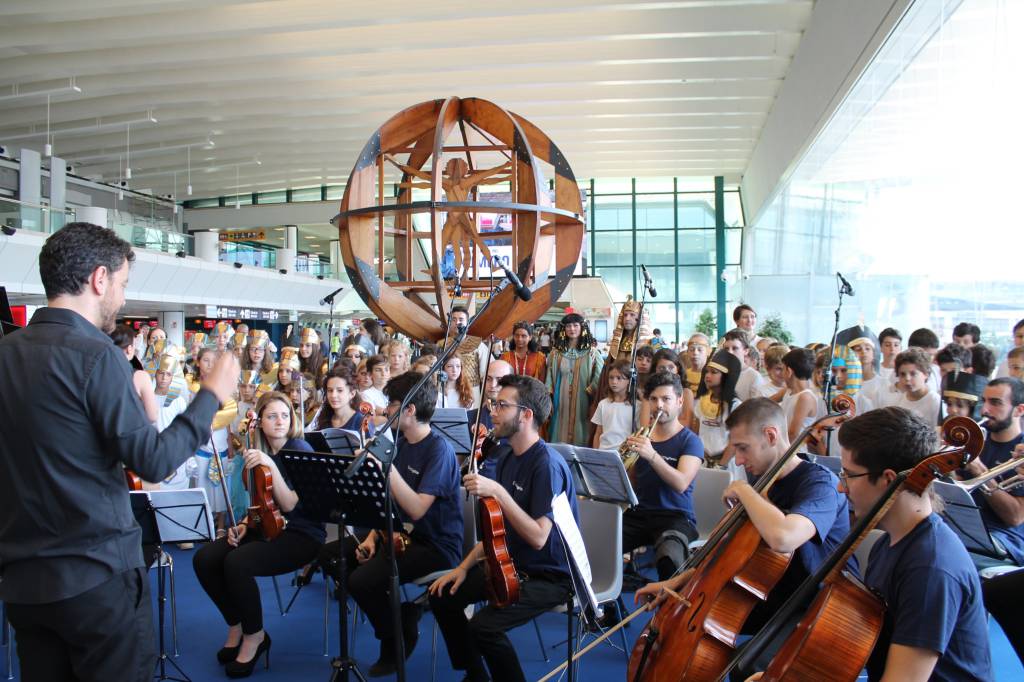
(835,637)
(133,479)
(694,635)
(502,582)
(262,513)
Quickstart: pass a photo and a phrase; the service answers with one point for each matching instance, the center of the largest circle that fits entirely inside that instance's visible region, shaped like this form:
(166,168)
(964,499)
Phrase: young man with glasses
(526,483)
(803,513)
(492,386)
(935,623)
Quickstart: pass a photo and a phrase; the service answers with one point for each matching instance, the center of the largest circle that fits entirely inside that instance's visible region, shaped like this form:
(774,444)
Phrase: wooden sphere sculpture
(405,257)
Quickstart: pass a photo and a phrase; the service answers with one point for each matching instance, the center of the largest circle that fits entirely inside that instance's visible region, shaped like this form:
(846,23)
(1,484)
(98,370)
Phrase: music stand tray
(964,518)
(453,425)
(598,474)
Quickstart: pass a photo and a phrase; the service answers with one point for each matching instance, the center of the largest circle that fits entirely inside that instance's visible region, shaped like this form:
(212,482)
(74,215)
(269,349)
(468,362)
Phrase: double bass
(836,635)
(694,634)
(262,513)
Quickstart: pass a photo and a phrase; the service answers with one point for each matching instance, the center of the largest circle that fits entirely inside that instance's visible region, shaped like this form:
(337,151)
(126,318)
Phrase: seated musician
(1002,511)
(935,625)
(663,479)
(425,486)
(804,513)
(495,371)
(526,482)
(227,568)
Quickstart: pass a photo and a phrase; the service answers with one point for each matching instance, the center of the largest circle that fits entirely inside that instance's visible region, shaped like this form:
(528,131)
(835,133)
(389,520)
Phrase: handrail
(44,207)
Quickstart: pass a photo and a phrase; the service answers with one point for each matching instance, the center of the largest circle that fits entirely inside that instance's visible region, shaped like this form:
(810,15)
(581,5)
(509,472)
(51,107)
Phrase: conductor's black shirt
(69,420)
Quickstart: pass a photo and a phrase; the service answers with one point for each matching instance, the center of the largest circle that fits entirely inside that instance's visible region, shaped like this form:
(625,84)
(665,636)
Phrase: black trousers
(1002,600)
(104,634)
(484,635)
(228,574)
(368,583)
(666,530)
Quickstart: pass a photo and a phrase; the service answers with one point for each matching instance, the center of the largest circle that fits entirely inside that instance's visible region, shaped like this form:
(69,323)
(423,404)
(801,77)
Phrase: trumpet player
(667,462)
(1002,510)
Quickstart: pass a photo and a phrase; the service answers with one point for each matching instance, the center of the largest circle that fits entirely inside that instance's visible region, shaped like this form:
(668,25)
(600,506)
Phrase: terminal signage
(243,235)
(246,314)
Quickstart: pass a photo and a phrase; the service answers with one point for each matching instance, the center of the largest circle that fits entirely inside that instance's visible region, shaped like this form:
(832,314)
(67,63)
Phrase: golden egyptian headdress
(290,358)
(222,329)
(199,338)
(239,340)
(643,329)
(259,338)
(310,336)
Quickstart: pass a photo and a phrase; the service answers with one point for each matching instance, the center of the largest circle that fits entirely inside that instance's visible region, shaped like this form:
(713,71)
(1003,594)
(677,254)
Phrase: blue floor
(298,639)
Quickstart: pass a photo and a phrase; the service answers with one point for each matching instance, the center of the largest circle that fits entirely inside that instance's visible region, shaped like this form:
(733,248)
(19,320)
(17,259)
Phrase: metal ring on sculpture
(418,306)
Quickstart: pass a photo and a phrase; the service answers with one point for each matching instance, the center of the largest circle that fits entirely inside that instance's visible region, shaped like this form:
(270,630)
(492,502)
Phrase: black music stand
(452,423)
(170,516)
(598,474)
(331,494)
(964,518)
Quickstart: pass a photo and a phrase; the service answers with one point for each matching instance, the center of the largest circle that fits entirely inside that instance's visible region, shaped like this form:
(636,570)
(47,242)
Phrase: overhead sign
(246,313)
(243,235)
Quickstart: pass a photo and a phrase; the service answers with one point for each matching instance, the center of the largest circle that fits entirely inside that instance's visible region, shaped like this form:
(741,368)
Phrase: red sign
(20,315)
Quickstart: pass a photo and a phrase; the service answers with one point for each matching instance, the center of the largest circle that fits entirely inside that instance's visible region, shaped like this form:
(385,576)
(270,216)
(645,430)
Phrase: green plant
(707,325)
(774,327)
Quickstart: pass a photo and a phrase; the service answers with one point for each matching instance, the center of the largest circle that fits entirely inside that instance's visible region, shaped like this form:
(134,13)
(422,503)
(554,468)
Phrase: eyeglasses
(501,405)
(845,476)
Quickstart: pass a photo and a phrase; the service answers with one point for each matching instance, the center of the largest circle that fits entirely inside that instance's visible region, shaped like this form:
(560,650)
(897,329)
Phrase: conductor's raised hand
(454,578)
(223,378)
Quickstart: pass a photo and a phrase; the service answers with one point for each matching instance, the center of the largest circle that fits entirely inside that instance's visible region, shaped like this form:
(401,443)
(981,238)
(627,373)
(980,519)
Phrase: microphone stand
(827,380)
(632,358)
(376,446)
(329,298)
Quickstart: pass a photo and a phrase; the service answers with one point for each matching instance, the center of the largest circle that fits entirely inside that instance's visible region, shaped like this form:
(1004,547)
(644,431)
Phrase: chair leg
(277,593)
(327,609)
(174,605)
(540,641)
(8,636)
(622,631)
(433,653)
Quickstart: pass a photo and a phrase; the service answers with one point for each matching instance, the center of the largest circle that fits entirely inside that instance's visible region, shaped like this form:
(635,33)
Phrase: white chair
(708,486)
(864,549)
(601,528)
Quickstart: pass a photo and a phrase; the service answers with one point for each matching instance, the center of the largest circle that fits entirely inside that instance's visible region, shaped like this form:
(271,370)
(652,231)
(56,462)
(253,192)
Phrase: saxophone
(629,455)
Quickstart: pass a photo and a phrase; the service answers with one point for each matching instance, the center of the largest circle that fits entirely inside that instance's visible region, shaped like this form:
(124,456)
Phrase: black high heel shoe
(228,654)
(237,669)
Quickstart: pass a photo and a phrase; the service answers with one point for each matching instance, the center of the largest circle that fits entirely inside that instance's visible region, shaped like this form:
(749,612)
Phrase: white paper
(573,540)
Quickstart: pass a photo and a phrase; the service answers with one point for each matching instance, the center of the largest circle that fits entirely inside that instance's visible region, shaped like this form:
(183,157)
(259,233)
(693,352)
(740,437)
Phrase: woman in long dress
(574,369)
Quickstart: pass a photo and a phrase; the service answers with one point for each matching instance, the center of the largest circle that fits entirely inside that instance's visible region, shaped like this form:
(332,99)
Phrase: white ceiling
(289,91)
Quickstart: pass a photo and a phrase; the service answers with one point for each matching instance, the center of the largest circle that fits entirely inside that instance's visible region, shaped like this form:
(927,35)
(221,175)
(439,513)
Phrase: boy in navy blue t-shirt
(425,486)
(804,514)
(662,478)
(527,480)
(935,627)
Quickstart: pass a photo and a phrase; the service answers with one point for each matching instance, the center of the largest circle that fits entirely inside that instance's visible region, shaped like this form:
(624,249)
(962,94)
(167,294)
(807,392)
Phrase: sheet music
(573,541)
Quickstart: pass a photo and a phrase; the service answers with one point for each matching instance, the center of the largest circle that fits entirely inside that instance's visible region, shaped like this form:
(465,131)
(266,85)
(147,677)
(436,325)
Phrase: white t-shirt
(179,479)
(451,397)
(374,396)
(927,407)
(615,420)
(789,402)
(749,384)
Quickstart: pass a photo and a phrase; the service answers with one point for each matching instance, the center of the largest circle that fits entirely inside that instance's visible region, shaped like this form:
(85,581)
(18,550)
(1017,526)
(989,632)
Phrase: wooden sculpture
(545,235)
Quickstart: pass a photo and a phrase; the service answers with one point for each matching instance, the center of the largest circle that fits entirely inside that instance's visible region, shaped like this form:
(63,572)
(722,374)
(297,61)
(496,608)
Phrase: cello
(262,513)
(835,637)
(693,635)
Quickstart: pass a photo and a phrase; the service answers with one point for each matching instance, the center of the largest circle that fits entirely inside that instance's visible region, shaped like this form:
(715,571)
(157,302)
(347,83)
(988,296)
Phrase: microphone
(457,289)
(648,283)
(846,285)
(522,292)
(329,298)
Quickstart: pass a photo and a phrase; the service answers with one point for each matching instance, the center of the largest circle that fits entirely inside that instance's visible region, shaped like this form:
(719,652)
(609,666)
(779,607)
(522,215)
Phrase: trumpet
(995,472)
(629,455)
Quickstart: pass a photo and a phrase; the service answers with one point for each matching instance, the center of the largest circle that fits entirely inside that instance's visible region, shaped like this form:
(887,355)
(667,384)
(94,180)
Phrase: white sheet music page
(566,523)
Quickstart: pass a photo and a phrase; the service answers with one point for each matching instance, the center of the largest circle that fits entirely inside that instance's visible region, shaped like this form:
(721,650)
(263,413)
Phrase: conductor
(72,574)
